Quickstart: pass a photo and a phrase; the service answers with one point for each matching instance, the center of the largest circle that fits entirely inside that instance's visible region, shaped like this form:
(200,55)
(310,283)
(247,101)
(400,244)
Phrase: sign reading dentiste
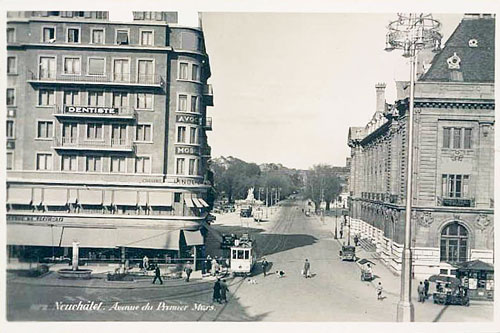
(90,110)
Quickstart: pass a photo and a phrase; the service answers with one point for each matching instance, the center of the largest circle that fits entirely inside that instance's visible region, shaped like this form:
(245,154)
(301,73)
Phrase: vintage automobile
(227,241)
(366,270)
(348,253)
(246,211)
(449,291)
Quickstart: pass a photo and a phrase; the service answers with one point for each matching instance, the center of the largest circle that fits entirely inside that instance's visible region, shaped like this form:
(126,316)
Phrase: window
(142,164)
(146,38)
(93,164)
(44,161)
(194,103)
(143,133)
(11,97)
(181,134)
(10,160)
(454,243)
(95,98)
(455,186)
(48,34)
(146,71)
(11,35)
(73,35)
(47,68)
(121,70)
(69,131)
(180,166)
(120,99)
(94,131)
(96,66)
(192,135)
(68,163)
(122,37)
(45,130)
(144,101)
(177,197)
(457,137)
(118,164)
(182,103)
(71,97)
(97,36)
(72,66)
(11,65)
(118,134)
(46,97)
(183,71)
(192,167)
(10,130)
(195,74)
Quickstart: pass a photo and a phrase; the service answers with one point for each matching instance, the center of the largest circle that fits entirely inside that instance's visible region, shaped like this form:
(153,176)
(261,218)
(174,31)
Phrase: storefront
(478,277)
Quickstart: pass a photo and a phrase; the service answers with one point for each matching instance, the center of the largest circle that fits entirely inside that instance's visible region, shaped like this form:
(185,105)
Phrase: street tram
(242,256)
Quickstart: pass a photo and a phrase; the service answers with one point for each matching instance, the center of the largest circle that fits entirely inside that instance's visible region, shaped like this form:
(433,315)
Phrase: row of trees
(233,177)
(322,184)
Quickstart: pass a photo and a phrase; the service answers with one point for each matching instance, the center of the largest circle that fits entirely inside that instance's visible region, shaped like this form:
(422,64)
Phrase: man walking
(307,269)
(426,288)
(145,263)
(223,291)
(421,292)
(188,271)
(157,275)
(379,291)
(264,264)
(208,264)
(216,295)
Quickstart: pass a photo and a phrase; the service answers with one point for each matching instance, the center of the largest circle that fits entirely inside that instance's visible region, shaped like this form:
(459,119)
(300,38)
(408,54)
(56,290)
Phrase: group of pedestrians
(220,291)
(423,291)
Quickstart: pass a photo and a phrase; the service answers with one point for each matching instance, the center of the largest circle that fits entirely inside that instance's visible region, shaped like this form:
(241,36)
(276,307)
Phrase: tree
(322,184)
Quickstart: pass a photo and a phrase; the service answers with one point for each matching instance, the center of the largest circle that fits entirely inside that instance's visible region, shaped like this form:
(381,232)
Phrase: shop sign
(187,150)
(90,110)
(25,218)
(187,119)
(187,181)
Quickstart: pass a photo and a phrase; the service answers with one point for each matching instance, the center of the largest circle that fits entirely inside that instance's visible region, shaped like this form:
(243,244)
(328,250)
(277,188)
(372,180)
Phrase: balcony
(80,144)
(94,112)
(109,79)
(208,124)
(456,202)
(208,95)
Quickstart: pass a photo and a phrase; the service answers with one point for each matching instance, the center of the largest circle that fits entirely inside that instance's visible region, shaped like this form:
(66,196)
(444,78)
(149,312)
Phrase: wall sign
(27,218)
(90,110)
(187,150)
(191,119)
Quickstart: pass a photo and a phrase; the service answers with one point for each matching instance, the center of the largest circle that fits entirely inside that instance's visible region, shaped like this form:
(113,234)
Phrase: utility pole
(267,202)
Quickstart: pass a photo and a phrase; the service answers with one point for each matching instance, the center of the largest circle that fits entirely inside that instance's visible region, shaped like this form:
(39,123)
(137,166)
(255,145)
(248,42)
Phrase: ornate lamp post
(411,33)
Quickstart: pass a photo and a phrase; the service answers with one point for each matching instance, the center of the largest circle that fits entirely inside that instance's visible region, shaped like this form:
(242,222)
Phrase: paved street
(334,293)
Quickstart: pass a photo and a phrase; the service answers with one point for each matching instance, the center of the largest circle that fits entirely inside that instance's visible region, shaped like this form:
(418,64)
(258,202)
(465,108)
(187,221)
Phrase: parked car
(246,211)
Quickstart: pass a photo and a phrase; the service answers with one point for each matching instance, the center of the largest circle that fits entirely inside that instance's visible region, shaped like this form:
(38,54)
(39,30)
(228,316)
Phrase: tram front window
(247,254)
(240,254)
(234,255)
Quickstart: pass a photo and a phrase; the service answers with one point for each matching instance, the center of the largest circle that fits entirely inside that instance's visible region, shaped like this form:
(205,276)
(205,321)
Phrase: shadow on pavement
(274,243)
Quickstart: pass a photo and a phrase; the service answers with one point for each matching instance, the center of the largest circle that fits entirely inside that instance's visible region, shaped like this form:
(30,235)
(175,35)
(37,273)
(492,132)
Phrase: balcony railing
(208,94)
(73,143)
(456,202)
(385,197)
(103,112)
(109,78)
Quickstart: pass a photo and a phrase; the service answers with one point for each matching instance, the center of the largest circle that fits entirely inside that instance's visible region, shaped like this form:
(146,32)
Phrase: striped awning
(161,199)
(189,202)
(19,196)
(32,235)
(197,203)
(203,202)
(90,197)
(55,197)
(125,198)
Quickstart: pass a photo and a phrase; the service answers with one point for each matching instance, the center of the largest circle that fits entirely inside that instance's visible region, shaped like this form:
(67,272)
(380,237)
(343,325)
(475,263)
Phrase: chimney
(380,90)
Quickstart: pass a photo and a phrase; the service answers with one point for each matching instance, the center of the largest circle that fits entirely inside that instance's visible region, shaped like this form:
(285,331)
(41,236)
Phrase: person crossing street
(264,264)
(307,269)
(421,292)
(188,271)
(157,275)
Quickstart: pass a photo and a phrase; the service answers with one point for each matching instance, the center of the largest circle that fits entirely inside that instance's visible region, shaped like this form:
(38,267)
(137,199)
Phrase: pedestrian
(426,288)
(223,291)
(356,240)
(341,232)
(145,263)
(157,275)
(307,269)
(215,267)
(264,264)
(379,291)
(216,295)
(188,271)
(421,292)
(208,264)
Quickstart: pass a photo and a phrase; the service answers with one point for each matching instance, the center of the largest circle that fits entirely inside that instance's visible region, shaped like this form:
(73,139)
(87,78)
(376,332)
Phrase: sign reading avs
(187,150)
(90,109)
(187,119)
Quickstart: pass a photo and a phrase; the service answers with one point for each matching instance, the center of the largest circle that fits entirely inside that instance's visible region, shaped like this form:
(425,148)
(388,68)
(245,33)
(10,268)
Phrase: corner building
(106,141)
(452,219)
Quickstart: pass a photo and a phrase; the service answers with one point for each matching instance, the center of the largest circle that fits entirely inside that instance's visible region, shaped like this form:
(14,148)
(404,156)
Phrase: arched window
(454,243)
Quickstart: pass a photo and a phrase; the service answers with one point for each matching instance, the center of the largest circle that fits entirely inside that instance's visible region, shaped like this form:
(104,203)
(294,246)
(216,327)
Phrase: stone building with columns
(452,216)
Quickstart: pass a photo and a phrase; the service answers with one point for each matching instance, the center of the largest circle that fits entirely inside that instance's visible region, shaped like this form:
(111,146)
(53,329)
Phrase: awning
(18,196)
(161,199)
(90,237)
(193,238)
(143,198)
(197,203)
(90,197)
(125,198)
(203,202)
(189,202)
(149,239)
(32,235)
(107,199)
(37,197)
(55,197)
(73,196)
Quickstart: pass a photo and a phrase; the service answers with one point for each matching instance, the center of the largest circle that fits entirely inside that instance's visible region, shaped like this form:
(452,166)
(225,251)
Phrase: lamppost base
(406,312)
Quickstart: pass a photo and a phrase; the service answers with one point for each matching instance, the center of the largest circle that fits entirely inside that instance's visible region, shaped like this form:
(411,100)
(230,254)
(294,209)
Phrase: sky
(287,86)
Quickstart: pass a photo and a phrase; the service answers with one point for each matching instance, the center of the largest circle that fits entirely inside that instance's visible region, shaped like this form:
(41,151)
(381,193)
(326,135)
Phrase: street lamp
(336,216)
(410,33)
